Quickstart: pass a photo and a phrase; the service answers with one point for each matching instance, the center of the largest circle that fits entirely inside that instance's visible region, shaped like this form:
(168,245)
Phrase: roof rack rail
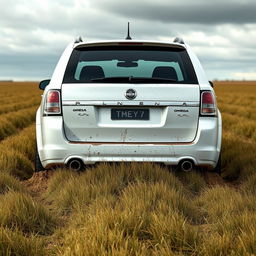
(78,40)
(179,40)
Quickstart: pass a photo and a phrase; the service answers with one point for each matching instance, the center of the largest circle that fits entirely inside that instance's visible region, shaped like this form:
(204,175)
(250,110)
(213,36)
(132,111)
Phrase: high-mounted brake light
(208,105)
(130,43)
(52,104)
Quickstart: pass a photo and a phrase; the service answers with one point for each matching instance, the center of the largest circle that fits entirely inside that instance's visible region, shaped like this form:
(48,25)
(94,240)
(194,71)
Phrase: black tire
(38,165)
(217,169)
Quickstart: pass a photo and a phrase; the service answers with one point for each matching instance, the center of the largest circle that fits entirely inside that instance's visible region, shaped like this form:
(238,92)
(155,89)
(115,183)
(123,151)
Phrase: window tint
(91,64)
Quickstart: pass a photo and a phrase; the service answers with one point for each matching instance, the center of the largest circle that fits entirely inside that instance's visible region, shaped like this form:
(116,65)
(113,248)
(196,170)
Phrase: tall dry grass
(17,153)
(12,122)
(125,210)
(237,101)
(10,183)
(129,209)
(19,104)
(19,101)
(106,179)
(20,211)
(150,216)
(13,242)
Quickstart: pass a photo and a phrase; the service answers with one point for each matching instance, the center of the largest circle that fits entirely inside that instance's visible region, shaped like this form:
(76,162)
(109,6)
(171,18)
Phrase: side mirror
(43,84)
(211,83)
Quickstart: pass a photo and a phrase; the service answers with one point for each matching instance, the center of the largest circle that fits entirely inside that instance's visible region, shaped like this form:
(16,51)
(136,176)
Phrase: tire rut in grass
(38,183)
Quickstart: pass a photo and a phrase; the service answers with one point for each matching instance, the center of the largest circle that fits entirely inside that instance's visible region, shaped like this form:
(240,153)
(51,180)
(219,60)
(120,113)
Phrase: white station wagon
(125,101)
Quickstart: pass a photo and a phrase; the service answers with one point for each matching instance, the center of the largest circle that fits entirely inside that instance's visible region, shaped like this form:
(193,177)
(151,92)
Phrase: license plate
(129,114)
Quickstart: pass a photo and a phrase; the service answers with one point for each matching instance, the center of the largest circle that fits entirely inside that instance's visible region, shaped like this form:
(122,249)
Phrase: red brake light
(208,98)
(53,96)
(52,103)
(208,106)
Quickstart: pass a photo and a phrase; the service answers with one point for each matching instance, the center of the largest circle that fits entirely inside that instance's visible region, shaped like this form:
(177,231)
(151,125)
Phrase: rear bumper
(54,149)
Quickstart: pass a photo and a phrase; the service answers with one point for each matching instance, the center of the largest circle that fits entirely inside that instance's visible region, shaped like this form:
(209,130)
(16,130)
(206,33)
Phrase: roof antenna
(128,33)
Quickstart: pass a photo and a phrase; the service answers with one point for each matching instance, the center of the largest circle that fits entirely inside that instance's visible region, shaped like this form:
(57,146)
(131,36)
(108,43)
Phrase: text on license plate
(129,114)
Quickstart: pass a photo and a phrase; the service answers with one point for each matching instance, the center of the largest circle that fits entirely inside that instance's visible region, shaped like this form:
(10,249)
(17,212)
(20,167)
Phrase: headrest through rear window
(165,72)
(91,72)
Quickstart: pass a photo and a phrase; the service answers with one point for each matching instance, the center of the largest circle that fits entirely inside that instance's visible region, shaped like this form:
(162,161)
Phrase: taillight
(208,104)
(52,104)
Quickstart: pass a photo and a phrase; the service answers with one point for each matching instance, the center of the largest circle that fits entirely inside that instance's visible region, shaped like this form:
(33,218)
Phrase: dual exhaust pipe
(76,164)
(186,165)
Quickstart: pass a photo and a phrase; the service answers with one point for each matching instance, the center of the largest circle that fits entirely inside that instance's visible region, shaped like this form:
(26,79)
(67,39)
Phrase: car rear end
(129,101)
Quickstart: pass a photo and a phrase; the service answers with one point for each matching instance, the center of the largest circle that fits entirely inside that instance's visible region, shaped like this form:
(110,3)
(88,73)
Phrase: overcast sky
(35,32)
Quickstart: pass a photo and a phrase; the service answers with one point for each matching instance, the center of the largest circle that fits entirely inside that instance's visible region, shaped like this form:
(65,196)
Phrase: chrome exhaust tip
(186,165)
(75,164)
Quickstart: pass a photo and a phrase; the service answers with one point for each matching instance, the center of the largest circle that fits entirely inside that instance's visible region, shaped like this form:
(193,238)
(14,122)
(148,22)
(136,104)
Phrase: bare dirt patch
(38,183)
(214,179)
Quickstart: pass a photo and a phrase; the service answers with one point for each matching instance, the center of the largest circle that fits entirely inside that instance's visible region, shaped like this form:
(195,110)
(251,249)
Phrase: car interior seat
(165,72)
(91,72)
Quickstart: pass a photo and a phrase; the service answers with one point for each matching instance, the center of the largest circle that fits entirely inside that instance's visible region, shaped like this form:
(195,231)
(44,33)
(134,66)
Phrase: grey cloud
(34,33)
(198,12)
(27,66)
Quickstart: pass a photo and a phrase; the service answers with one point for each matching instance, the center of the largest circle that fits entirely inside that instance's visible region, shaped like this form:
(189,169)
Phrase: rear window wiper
(152,80)
(111,79)
(131,79)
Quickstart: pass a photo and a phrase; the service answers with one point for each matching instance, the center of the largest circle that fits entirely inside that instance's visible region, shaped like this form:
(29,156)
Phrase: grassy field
(127,209)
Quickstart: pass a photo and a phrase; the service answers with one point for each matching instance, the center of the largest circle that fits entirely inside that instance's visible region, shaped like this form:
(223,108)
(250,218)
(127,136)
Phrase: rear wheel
(38,165)
(217,169)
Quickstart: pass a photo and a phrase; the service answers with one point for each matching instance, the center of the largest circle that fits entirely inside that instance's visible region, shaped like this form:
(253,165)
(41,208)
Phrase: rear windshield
(129,64)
